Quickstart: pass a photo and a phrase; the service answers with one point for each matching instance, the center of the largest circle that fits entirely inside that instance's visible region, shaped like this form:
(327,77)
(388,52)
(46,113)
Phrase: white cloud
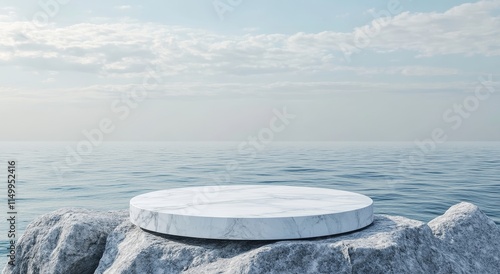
(8,14)
(404,70)
(49,80)
(123,7)
(183,89)
(127,7)
(467,29)
(250,29)
(125,49)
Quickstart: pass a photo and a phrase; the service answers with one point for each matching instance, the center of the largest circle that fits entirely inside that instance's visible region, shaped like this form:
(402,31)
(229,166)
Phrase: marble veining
(251,212)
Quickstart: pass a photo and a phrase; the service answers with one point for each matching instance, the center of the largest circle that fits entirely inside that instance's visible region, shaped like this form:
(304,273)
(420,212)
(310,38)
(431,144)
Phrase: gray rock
(390,245)
(469,239)
(65,241)
(463,240)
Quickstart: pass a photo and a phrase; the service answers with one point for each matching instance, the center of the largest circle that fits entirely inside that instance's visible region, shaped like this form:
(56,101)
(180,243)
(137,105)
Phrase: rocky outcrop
(468,238)
(463,240)
(65,241)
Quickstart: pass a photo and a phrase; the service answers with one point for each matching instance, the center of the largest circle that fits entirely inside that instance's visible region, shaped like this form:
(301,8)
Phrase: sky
(227,70)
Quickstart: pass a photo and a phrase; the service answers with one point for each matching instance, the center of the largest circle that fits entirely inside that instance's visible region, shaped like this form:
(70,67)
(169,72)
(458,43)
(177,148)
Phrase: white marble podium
(251,212)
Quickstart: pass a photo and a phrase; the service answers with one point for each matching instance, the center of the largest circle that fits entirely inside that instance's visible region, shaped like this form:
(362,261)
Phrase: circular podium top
(251,212)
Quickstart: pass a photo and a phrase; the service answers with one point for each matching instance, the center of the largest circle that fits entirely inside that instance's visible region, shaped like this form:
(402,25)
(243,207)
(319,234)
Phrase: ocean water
(401,178)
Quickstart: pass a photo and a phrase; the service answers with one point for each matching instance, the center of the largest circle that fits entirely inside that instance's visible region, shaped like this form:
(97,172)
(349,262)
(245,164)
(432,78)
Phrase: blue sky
(361,71)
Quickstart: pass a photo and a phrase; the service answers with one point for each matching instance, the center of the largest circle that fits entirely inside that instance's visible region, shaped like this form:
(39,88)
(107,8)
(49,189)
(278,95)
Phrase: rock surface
(463,240)
(65,241)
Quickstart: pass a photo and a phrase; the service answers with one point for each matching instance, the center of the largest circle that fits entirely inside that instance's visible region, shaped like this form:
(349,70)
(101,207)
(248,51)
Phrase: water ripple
(115,172)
